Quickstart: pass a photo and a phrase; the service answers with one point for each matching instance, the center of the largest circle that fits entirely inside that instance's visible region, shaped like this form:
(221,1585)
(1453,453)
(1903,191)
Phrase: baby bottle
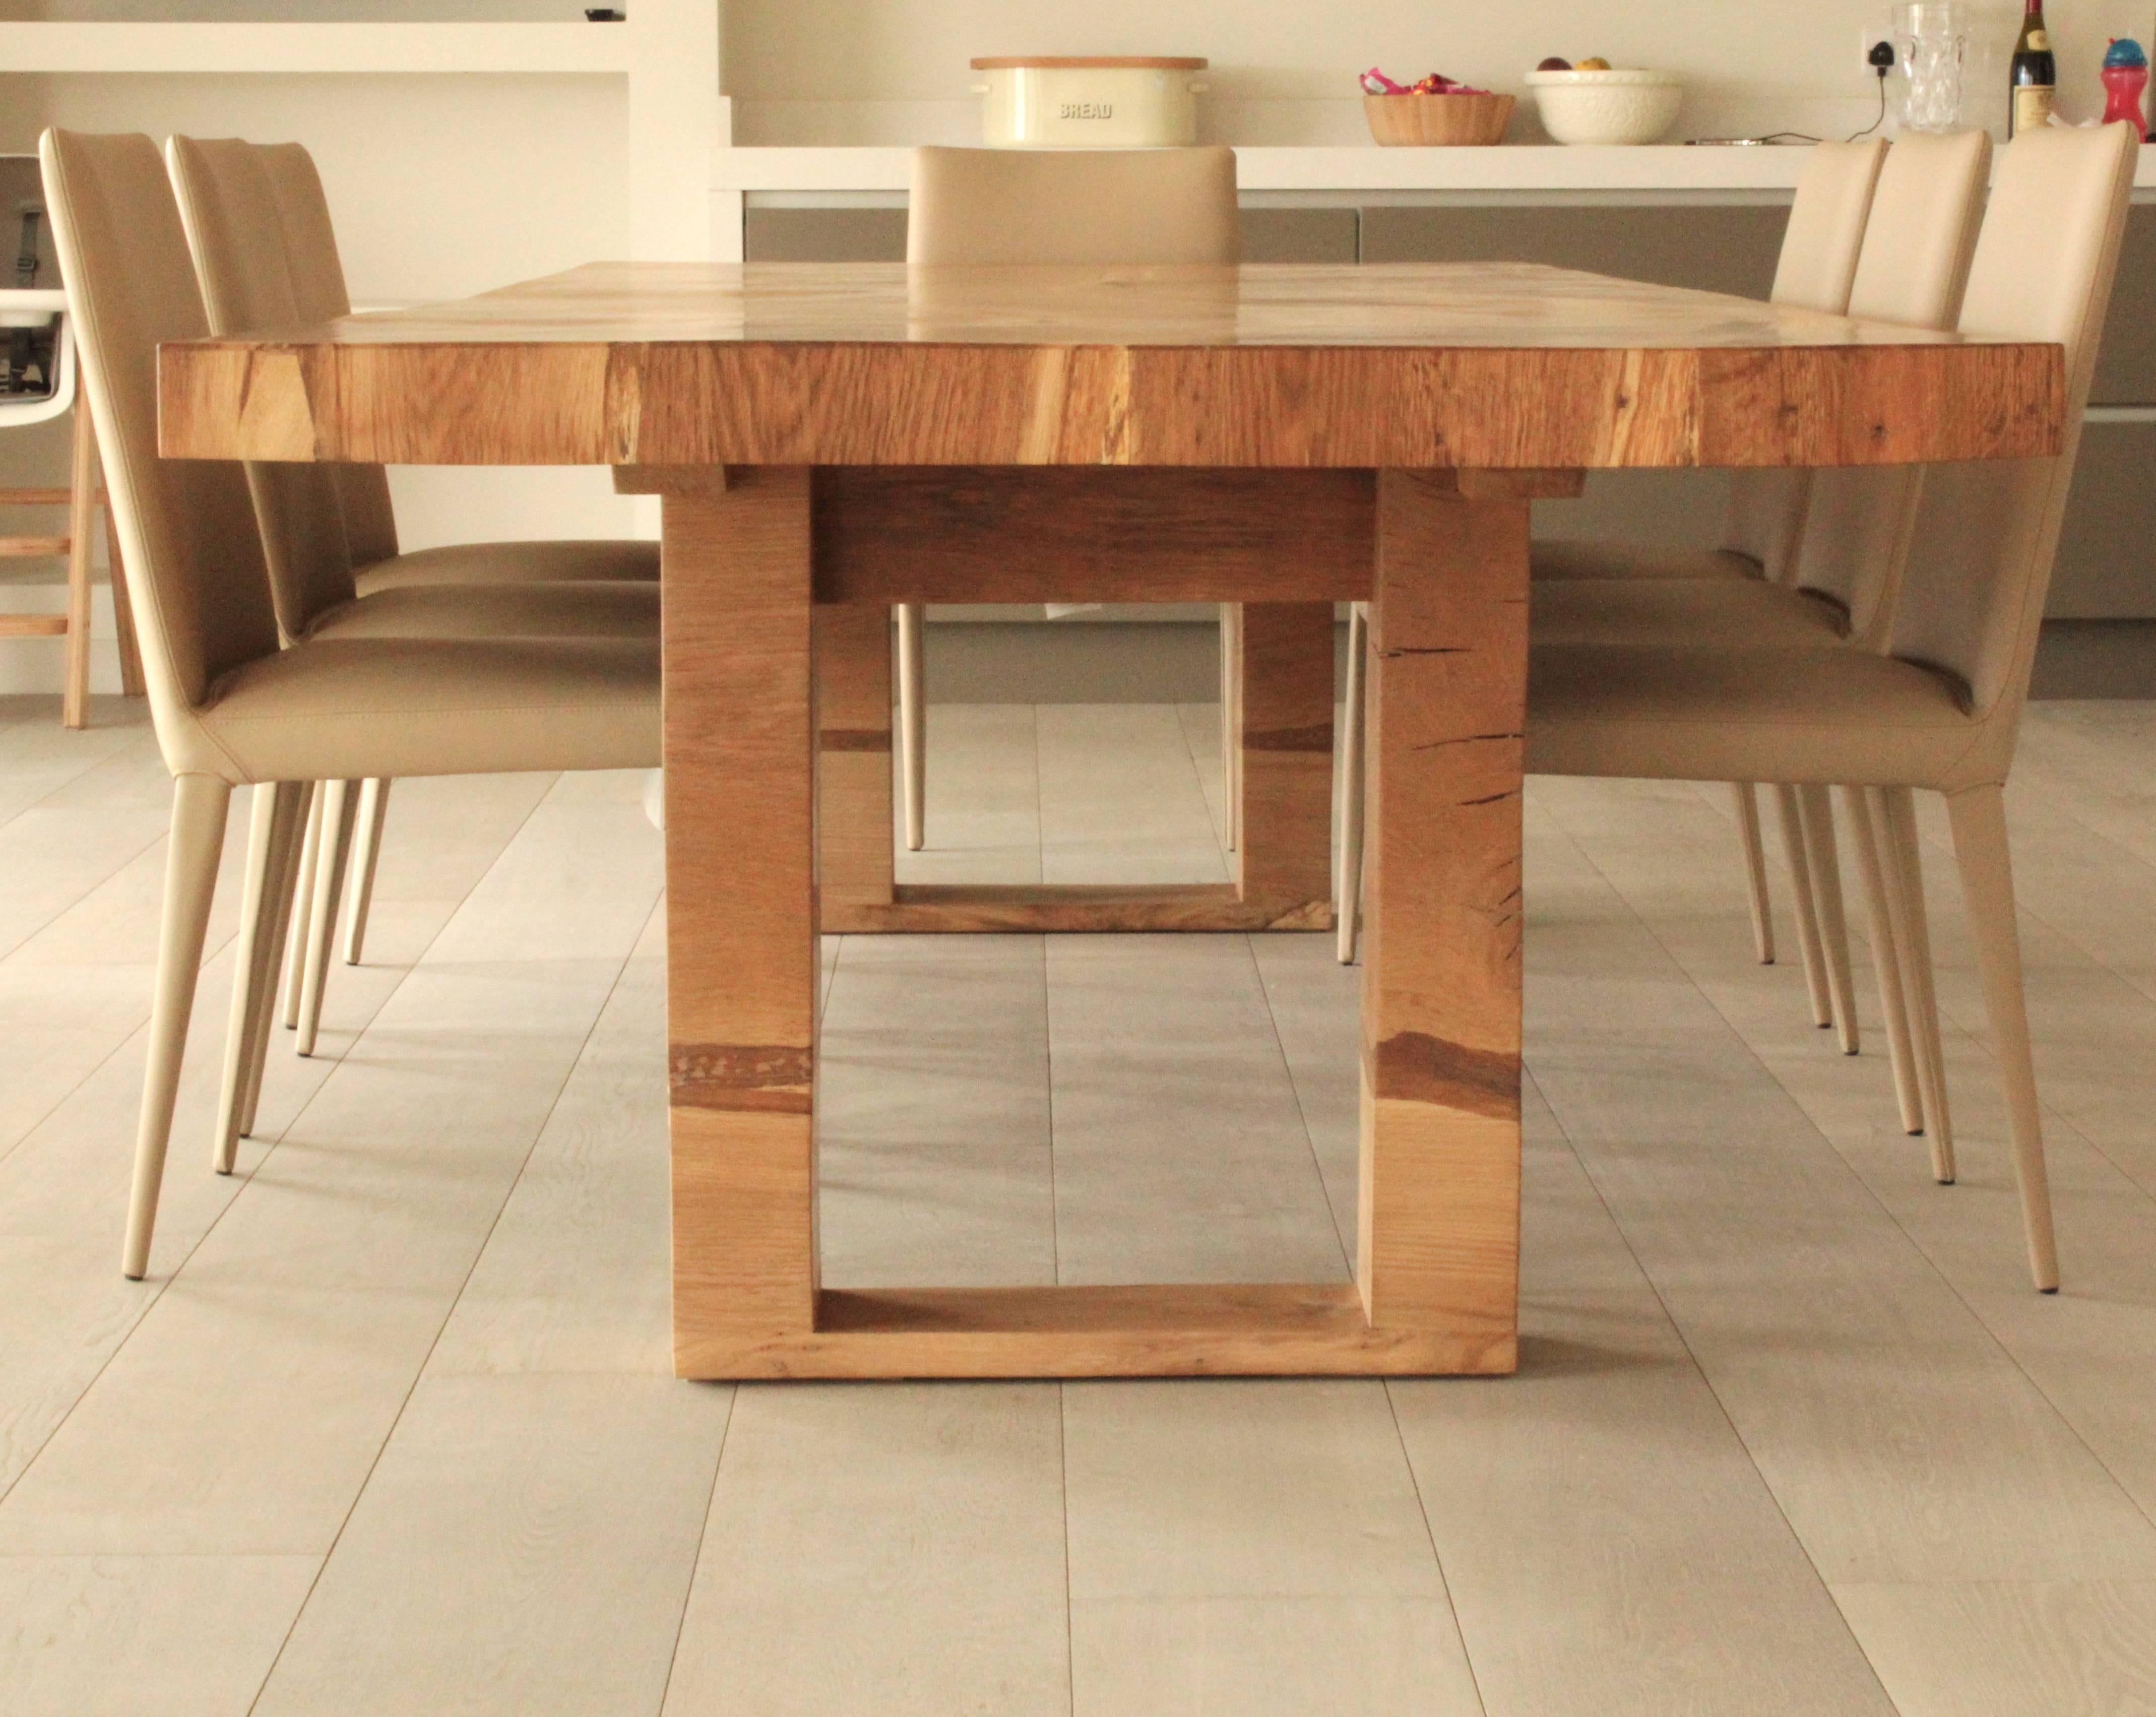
(2125,75)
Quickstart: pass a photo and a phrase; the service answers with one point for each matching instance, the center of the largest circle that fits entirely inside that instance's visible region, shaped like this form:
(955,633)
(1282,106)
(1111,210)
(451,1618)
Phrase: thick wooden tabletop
(1472,366)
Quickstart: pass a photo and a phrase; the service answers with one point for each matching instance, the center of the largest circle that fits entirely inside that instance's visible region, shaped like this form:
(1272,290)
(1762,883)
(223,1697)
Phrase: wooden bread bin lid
(1084,63)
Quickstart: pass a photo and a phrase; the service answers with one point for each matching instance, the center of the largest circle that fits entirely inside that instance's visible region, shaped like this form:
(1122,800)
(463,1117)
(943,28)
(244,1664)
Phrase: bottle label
(2032,106)
(2039,41)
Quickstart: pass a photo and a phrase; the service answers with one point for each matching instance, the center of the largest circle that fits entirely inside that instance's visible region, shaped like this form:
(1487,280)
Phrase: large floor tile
(934,1157)
(523,1546)
(1245,1546)
(1181,1153)
(122,1636)
(575,1276)
(982,816)
(2010,1648)
(893,1548)
(1119,797)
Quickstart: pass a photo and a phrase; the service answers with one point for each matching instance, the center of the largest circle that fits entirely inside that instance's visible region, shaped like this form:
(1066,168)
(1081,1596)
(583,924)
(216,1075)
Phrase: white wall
(896,70)
(442,185)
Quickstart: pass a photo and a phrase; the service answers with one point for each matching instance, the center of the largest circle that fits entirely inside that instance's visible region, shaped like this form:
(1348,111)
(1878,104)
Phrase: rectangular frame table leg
(1438,1230)
(1284,728)
(740,912)
(854,799)
(1437,1265)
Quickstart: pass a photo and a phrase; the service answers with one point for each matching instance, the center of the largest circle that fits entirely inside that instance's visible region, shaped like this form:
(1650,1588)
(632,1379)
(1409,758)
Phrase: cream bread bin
(1112,103)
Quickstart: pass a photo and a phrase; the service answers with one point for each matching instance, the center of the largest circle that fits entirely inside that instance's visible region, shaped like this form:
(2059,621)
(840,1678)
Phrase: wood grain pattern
(854,843)
(1291,1328)
(1065,907)
(1501,365)
(931,535)
(1284,720)
(1439,1215)
(740,771)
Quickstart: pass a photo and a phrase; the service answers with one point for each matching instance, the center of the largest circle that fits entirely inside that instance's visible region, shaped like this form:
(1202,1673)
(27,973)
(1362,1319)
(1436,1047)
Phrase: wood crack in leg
(1466,739)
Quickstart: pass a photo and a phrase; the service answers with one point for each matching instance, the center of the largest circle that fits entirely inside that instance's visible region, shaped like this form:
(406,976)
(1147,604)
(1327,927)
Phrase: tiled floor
(390,1430)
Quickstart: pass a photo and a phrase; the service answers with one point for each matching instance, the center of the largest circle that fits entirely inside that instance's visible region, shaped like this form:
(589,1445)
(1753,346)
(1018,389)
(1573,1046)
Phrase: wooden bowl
(1438,119)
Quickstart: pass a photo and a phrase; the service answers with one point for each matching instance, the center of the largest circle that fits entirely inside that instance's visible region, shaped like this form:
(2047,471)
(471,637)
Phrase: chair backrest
(1117,206)
(1820,249)
(1821,244)
(194,565)
(235,226)
(1986,534)
(318,286)
(1913,269)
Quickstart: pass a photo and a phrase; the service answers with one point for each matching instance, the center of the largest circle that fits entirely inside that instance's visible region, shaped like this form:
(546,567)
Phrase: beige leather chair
(258,226)
(1816,267)
(1828,217)
(1838,586)
(318,284)
(1940,708)
(1016,206)
(232,708)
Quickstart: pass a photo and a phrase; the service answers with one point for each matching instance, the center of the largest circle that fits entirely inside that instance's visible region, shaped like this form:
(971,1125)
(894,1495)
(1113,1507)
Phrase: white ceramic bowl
(1606,106)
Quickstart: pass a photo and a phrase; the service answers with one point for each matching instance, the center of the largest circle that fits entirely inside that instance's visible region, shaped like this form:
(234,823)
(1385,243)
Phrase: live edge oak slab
(830,440)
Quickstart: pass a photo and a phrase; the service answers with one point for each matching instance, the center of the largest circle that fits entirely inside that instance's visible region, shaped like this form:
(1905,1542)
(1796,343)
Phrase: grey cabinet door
(2107,567)
(2126,360)
(1270,235)
(1719,248)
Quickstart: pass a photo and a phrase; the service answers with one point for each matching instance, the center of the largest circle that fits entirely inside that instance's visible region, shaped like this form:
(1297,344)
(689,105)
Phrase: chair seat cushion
(1565,559)
(517,563)
(1688,714)
(1683,611)
(501,610)
(344,709)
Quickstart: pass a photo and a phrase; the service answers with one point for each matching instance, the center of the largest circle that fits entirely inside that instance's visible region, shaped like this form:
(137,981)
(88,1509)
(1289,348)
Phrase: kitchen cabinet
(1712,247)
(878,234)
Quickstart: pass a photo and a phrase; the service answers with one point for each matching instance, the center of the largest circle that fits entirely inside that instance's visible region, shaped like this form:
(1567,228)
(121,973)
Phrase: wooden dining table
(830,440)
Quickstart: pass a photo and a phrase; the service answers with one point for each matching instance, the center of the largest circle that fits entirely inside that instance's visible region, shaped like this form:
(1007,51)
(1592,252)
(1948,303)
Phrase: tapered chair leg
(123,611)
(1893,814)
(283,886)
(1987,881)
(912,724)
(1816,809)
(74,697)
(1885,959)
(373,807)
(1347,793)
(303,888)
(1807,907)
(276,813)
(1231,721)
(199,803)
(1747,796)
(331,853)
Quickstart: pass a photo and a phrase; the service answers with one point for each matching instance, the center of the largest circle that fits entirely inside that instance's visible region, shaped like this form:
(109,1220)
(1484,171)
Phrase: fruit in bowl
(1434,111)
(1593,103)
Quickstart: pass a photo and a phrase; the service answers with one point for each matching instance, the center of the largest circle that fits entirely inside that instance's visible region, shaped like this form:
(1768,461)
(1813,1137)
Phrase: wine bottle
(2035,78)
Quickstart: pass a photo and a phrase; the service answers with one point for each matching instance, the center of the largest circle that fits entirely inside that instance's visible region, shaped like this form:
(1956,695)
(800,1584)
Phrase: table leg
(853,740)
(740,937)
(1284,716)
(1283,778)
(1439,1233)
(1440,1216)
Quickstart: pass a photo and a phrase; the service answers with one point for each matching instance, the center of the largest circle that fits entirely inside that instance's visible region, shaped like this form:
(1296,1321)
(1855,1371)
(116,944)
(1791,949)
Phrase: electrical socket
(1867,40)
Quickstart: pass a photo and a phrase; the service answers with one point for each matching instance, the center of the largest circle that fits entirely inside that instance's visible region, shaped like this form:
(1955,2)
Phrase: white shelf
(316,48)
